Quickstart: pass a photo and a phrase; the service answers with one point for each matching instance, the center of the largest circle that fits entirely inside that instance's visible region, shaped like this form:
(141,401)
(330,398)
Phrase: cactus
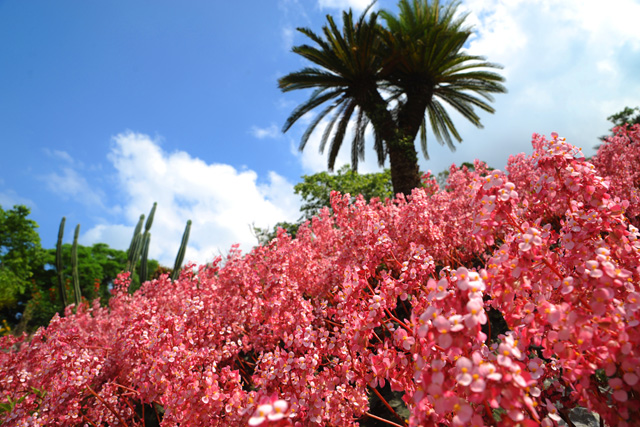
(145,252)
(74,265)
(180,257)
(135,246)
(146,238)
(63,293)
(147,225)
(138,242)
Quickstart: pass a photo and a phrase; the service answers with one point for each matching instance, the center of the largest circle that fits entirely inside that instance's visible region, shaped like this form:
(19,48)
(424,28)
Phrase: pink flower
(476,314)
(464,366)
(269,412)
(617,386)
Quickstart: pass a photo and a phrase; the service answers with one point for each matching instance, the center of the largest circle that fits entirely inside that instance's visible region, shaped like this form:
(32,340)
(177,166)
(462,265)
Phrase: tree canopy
(98,267)
(626,116)
(20,251)
(316,189)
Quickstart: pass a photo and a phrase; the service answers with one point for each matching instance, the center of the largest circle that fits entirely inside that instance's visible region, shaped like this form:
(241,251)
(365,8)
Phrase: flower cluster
(506,298)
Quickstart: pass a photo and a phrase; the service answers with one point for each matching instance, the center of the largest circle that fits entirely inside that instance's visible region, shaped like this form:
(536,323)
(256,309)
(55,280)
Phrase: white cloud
(221,201)
(569,64)
(69,184)
(59,154)
(287,37)
(115,235)
(344,4)
(272,131)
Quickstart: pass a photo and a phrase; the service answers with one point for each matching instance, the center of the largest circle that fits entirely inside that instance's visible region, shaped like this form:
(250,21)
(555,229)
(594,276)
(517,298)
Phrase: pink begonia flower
(464,366)
(441,289)
(619,393)
(457,322)
(441,404)
(489,371)
(553,314)
(406,341)
(553,411)
(261,414)
(462,276)
(536,368)
(476,421)
(269,411)
(279,410)
(476,287)
(437,376)
(494,179)
(478,385)
(592,269)
(463,412)
(528,312)
(443,326)
(489,203)
(507,192)
(476,314)
(630,378)
(567,285)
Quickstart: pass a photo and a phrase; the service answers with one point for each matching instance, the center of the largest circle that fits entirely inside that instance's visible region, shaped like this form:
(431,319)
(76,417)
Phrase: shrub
(374,299)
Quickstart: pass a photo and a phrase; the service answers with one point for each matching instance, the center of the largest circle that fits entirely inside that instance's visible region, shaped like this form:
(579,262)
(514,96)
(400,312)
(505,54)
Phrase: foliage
(316,194)
(623,118)
(98,267)
(316,189)
(304,331)
(20,251)
(626,117)
(443,176)
(265,235)
(393,77)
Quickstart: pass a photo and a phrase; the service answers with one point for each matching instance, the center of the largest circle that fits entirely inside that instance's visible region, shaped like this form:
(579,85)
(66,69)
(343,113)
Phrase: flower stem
(109,407)
(384,401)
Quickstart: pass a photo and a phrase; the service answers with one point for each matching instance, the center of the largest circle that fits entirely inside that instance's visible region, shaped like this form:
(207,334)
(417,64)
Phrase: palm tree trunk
(403,158)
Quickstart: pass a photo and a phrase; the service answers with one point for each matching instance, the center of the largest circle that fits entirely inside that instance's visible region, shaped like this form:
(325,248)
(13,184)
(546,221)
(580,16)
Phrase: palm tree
(349,70)
(393,76)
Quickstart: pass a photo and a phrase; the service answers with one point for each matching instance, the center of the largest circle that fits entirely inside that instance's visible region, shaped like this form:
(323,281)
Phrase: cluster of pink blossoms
(376,298)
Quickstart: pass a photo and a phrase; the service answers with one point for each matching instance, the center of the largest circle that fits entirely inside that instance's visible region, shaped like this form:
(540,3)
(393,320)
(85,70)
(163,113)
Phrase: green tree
(20,251)
(626,116)
(316,193)
(621,118)
(392,77)
(316,189)
(98,267)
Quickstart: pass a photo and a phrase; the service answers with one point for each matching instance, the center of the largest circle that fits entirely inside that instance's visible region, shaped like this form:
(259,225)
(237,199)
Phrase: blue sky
(106,107)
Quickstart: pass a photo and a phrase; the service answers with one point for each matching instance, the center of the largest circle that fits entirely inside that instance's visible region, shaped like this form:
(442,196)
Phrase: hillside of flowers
(375,298)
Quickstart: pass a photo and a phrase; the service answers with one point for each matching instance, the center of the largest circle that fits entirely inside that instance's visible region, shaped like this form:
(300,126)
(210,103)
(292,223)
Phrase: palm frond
(330,125)
(314,123)
(357,145)
(442,125)
(317,98)
(338,136)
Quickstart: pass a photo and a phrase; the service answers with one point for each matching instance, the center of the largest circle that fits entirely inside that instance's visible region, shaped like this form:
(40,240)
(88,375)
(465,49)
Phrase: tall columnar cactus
(74,265)
(135,246)
(60,273)
(144,269)
(146,238)
(180,257)
(147,225)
